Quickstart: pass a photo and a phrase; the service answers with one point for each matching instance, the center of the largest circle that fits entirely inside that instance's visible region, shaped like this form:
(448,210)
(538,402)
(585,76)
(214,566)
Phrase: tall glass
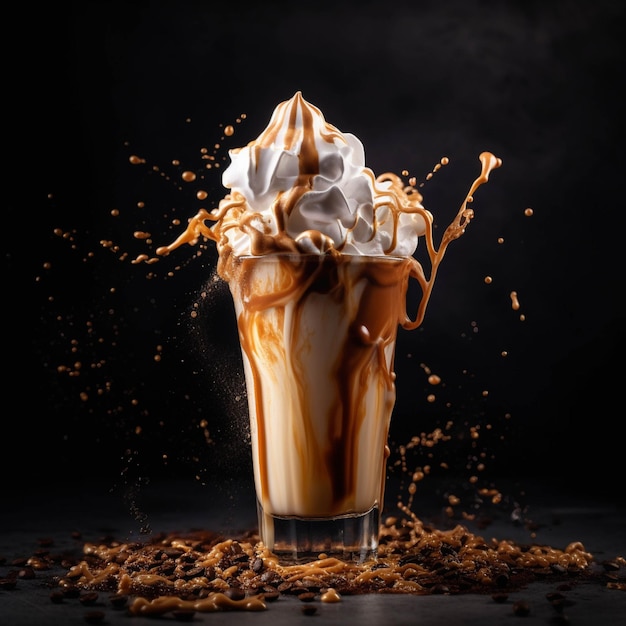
(318,336)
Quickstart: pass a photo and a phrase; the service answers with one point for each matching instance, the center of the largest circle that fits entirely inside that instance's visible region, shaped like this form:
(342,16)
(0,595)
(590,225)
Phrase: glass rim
(312,255)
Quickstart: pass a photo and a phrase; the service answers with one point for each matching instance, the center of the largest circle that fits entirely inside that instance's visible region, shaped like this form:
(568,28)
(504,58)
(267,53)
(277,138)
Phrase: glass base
(296,540)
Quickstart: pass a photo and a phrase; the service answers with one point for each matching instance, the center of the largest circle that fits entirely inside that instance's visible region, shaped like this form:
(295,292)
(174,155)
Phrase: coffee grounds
(180,573)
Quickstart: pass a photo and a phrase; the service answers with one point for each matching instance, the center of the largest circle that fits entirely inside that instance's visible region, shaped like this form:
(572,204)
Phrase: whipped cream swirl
(302,186)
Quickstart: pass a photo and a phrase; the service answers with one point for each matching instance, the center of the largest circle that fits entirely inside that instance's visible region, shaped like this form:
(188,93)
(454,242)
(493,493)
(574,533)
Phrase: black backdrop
(110,372)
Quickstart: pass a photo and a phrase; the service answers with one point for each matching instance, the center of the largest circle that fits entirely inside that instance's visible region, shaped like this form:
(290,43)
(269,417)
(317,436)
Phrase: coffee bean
(307,596)
(610,566)
(272,595)
(8,582)
(194,572)
(71,591)
(88,598)
(118,601)
(309,609)
(553,595)
(257,565)
(57,597)
(240,558)
(521,608)
(271,577)
(173,553)
(27,573)
(558,604)
(234,593)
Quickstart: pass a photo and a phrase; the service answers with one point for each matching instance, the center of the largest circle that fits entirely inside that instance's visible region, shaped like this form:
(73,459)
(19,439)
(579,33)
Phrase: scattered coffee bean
(57,597)
(500,598)
(251,573)
(118,601)
(610,566)
(8,583)
(553,595)
(307,596)
(27,573)
(235,593)
(194,572)
(71,591)
(521,608)
(271,577)
(240,558)
(271,596)
(257,565)
(91,597)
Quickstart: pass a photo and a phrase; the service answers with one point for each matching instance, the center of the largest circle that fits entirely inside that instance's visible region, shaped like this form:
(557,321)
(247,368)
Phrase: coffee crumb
(91,597)
(521,608)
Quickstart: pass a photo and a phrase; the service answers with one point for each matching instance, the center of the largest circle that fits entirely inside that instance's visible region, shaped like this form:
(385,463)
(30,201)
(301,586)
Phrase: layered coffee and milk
(318,336)
(318,254)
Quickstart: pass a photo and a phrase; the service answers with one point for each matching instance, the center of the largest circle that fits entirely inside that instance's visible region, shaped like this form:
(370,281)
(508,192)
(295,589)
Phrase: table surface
(56,513)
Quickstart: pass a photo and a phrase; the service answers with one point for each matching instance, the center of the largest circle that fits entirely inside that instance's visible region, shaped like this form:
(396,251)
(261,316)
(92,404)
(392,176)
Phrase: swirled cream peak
(302,186)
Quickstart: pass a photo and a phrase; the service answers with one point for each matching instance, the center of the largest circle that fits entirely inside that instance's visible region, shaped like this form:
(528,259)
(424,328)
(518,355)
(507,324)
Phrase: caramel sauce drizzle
(213,602)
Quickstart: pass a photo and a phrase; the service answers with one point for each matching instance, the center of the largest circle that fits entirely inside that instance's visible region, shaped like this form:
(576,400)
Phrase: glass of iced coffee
(318,254)
(318,335)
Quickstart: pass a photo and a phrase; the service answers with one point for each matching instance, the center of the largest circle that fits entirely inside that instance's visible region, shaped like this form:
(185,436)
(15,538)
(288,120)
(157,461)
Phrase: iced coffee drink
(318,335)
(318,254)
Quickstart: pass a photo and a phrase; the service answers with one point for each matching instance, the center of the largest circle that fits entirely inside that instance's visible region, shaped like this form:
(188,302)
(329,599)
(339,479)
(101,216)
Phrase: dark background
(537,83)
